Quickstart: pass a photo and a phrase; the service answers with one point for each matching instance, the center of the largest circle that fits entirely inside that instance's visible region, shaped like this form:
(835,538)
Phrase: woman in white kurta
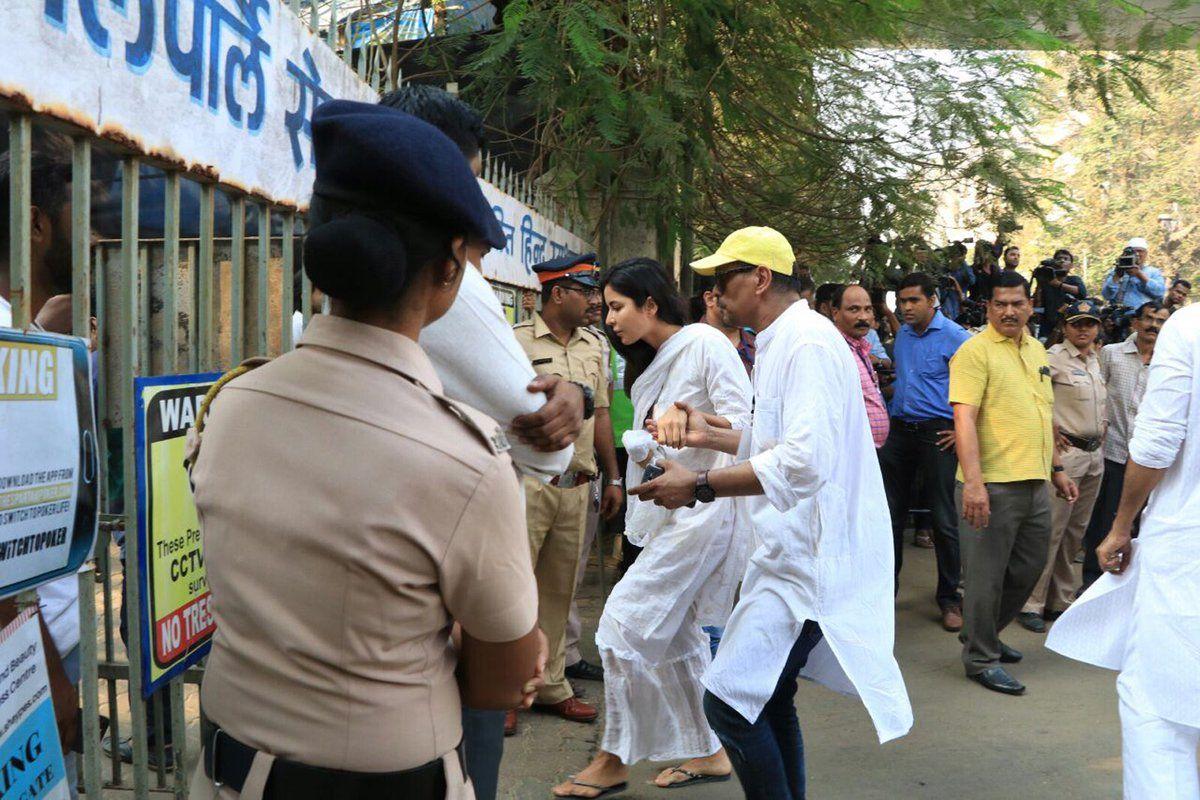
(650,637)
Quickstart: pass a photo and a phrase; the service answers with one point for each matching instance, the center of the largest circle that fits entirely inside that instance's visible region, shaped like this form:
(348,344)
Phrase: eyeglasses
(588,293)
(722,278)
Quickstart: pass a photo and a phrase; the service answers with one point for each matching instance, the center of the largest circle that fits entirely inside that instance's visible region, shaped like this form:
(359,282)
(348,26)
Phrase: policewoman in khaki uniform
(350,512)
(558,342)
(1081,418)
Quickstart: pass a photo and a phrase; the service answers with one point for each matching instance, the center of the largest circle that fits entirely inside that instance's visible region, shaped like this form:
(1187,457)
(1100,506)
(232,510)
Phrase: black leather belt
(1088,445)
(914,426)
(227,763)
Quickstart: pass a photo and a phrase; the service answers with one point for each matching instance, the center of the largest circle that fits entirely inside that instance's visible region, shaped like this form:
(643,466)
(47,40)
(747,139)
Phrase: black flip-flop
(693,778)
(605,791)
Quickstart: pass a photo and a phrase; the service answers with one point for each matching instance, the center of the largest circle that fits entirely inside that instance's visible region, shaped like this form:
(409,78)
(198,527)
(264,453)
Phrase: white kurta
(650,636)
(481,364)
(826,549)
(1146,622)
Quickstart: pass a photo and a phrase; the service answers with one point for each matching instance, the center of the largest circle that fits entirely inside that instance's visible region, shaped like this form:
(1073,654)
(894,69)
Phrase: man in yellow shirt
(1003,403)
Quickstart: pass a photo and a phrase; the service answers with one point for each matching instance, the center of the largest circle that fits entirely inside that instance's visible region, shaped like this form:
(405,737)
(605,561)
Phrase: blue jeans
(715,632)
(483,745)
(768,754)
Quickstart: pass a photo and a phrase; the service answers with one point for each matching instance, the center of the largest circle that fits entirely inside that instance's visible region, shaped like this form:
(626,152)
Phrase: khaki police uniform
(349,515)
(556,513)
(1080,412)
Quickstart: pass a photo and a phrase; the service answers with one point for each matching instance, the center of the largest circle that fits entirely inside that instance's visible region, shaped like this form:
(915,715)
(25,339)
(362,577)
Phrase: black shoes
(584,671)
(1010,655)
(1031,622)
(998,680)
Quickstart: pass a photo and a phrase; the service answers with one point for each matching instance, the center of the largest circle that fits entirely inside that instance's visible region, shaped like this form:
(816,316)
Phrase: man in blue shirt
(921,440)
(961,279)
(1136,285)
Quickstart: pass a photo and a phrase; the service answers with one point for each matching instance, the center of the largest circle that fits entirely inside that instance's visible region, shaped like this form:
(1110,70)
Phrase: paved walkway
(1060,740)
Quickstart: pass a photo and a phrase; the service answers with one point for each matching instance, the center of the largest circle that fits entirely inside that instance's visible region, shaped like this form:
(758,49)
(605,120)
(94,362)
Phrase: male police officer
(558,342)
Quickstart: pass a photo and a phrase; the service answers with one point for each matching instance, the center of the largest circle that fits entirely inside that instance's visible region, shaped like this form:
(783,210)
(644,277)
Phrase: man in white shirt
(480,363)
(1141,617)
(817,598)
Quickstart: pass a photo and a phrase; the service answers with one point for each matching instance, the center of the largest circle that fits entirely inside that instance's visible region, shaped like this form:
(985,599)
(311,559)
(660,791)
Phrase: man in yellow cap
(817,597)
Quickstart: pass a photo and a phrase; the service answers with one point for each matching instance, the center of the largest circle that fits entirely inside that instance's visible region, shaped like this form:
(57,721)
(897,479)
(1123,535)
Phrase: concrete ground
(1060,740)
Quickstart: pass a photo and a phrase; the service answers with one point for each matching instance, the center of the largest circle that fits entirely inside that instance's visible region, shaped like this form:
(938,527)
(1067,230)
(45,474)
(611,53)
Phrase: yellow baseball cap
(761,247)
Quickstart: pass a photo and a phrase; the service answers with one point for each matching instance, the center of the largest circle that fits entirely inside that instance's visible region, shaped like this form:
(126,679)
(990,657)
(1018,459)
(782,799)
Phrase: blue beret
(377,157)
(581,269)
(1082,309)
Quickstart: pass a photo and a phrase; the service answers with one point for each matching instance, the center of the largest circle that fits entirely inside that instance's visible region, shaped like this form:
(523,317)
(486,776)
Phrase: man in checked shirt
(852,314)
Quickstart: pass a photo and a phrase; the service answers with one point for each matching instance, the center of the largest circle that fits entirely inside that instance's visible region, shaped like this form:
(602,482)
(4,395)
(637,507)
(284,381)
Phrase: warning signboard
(176,619)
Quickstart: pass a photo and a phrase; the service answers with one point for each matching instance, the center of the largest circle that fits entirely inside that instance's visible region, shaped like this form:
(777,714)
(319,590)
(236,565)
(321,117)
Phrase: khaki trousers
(555,519)
(1060,581)
(574,623)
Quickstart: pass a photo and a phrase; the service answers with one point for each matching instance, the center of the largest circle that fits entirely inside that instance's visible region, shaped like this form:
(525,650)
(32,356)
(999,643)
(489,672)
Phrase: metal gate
(188,271)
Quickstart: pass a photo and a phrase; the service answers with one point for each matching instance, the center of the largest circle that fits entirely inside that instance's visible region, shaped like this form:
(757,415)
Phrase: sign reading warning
(48,458)
(177,623)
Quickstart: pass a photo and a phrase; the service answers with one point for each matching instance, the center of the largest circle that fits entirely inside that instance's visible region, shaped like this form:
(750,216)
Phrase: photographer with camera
(956,281)
(1055,288)
(1132,283)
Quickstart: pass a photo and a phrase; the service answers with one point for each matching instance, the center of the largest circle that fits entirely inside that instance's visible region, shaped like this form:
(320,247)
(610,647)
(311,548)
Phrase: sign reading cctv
(225,88)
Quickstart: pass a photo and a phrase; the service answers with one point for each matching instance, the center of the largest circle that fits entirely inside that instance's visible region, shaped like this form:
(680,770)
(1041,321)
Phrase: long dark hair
(640,279)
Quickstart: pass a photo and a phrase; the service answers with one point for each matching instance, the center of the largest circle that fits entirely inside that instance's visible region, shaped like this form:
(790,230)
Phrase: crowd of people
(762,448)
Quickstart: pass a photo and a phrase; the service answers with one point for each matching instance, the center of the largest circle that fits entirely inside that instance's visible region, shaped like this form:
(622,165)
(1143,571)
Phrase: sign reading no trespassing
(176,619)
(48,460)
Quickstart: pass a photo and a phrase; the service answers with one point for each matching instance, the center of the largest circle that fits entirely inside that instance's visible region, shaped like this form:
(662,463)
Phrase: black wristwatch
(589,400)
(1058,468)
(704,491)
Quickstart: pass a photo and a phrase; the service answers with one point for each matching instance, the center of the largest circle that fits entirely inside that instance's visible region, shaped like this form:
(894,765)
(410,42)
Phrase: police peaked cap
(581,269)
(373,156)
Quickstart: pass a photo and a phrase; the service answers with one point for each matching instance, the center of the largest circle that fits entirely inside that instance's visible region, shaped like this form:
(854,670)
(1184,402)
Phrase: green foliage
(831,120)
(1121,170)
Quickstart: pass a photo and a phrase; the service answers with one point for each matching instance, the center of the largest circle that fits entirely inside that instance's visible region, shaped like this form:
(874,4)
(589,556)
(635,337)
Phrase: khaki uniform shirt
(1079,404)
(581,361)
(345,511)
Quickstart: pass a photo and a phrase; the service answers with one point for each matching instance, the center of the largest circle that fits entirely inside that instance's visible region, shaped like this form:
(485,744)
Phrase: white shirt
(1146,622)
(481,364)
(5,313)
(826,549)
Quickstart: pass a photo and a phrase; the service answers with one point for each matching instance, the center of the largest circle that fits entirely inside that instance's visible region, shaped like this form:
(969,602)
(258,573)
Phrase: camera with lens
(1048,269)
(1126,261)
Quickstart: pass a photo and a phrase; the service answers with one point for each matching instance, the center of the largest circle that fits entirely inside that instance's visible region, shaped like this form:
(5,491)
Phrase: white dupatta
(700,366)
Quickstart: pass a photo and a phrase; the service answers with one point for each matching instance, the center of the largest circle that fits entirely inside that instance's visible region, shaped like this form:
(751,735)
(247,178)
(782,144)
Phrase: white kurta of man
(650,636)
(825,551)
(481,364)
(1146,622)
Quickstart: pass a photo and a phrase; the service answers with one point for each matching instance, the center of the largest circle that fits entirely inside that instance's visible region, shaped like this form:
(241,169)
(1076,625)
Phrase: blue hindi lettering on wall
(225,50)
(298,122)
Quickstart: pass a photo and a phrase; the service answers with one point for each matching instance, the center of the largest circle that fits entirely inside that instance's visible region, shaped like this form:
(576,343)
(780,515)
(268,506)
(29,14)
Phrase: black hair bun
(356,258)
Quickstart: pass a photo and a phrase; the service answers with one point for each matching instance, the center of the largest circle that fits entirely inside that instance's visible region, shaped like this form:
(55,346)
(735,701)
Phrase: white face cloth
(1144,622)
(827,551)
(481,364)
